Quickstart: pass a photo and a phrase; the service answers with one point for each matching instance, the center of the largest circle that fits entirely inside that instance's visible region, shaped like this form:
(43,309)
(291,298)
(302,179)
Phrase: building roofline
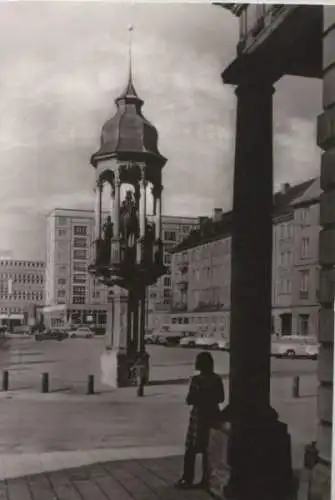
(283,209)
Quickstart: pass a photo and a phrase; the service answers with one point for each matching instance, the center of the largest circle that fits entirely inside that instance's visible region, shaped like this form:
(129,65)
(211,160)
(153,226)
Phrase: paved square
(149,479)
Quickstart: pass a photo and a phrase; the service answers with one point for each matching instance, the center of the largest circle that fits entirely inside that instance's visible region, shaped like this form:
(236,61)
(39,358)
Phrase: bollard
(296,387)
(90,384)
(140,390)
(140,381)
(5,380)
(45,382)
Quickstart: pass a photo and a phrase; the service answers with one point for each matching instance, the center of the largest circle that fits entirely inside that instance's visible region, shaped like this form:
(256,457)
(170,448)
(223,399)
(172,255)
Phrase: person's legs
(205,469)
(189,465)
(189,468)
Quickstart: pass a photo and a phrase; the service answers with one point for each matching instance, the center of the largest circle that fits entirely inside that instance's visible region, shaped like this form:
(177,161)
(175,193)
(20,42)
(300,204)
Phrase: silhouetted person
(205,393)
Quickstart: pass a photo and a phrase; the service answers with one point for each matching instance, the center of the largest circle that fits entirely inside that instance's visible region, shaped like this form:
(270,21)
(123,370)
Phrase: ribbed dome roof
(128,131)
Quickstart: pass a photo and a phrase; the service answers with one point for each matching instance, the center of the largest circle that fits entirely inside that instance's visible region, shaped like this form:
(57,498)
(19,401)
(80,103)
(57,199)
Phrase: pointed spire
(130,31)
(130,89)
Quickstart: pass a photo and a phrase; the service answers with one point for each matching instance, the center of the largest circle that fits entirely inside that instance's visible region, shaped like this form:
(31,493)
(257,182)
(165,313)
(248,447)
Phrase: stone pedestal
(260,451)
(115,362)
(123,363)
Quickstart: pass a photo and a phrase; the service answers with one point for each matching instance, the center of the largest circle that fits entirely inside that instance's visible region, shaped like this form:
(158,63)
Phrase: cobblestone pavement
(149,479)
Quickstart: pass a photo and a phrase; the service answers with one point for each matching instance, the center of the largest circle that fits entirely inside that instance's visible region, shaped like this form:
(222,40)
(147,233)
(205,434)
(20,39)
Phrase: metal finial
(130,30)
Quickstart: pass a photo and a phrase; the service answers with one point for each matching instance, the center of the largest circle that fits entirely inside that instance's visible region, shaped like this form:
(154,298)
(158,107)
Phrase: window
(167,281)
(61,281)
(170,235)
(305,216)
(61,293)
(61,232)
(304,247)
(285,286)
(79,290)
(166,293)
(304,284)
(167,259)
(79,278)
(79,266)
(78,300)
(79,254)
(80,242)
(80,230)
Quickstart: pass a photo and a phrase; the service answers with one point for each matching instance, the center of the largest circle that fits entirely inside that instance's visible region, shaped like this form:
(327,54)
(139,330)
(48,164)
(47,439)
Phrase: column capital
(255,86)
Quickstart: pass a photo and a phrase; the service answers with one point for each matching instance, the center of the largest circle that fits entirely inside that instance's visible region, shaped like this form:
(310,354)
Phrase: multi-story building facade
(70,289)
(72,293)
(201,267)
(22,285)
(174,230)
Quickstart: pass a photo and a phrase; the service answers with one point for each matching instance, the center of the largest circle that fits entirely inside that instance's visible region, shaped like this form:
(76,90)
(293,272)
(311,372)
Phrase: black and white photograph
(167,250)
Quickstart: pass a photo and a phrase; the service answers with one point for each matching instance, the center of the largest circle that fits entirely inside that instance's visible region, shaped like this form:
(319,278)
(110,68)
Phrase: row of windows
(62,293)
(22,277)
(78,300)
(11,310)
(77,228)
(38,296)
(80,254)
(285,284)
(18,263)
(77,266)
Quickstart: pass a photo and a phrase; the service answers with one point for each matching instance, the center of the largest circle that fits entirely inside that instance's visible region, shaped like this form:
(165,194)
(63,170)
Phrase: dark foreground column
(260,445)
(320,487)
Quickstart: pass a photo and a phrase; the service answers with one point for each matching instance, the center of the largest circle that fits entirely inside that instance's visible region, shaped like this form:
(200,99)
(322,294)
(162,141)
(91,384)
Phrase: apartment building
(21,289)
(200,270)
(72,294)
(174,230)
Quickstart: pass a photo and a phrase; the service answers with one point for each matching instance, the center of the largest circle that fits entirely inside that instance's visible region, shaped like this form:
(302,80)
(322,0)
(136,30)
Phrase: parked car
(171,339)
(149,338)
(295,346)
(207,341)
(81,332)
(50,335)
(188,341)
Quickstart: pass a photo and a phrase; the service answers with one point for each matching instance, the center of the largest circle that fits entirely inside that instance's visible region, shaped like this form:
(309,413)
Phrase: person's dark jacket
(206,392)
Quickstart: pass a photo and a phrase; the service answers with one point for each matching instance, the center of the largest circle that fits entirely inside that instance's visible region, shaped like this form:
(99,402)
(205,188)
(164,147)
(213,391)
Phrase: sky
(63,64)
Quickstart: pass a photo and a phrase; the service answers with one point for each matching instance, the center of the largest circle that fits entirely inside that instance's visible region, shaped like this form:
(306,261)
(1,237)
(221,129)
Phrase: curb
(225,376)
(20,465)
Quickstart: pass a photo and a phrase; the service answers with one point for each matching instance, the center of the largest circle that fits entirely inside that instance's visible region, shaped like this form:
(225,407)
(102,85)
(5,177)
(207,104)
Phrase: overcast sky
(62,65)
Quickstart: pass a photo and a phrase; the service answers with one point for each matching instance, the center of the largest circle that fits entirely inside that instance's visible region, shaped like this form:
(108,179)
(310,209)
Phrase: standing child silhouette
(206,392)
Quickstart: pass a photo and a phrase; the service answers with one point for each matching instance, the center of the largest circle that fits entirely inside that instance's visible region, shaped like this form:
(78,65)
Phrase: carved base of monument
(118,369)
(260,461)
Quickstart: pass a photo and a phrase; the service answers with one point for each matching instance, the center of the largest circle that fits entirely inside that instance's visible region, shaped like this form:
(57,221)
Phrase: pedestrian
(206,392)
